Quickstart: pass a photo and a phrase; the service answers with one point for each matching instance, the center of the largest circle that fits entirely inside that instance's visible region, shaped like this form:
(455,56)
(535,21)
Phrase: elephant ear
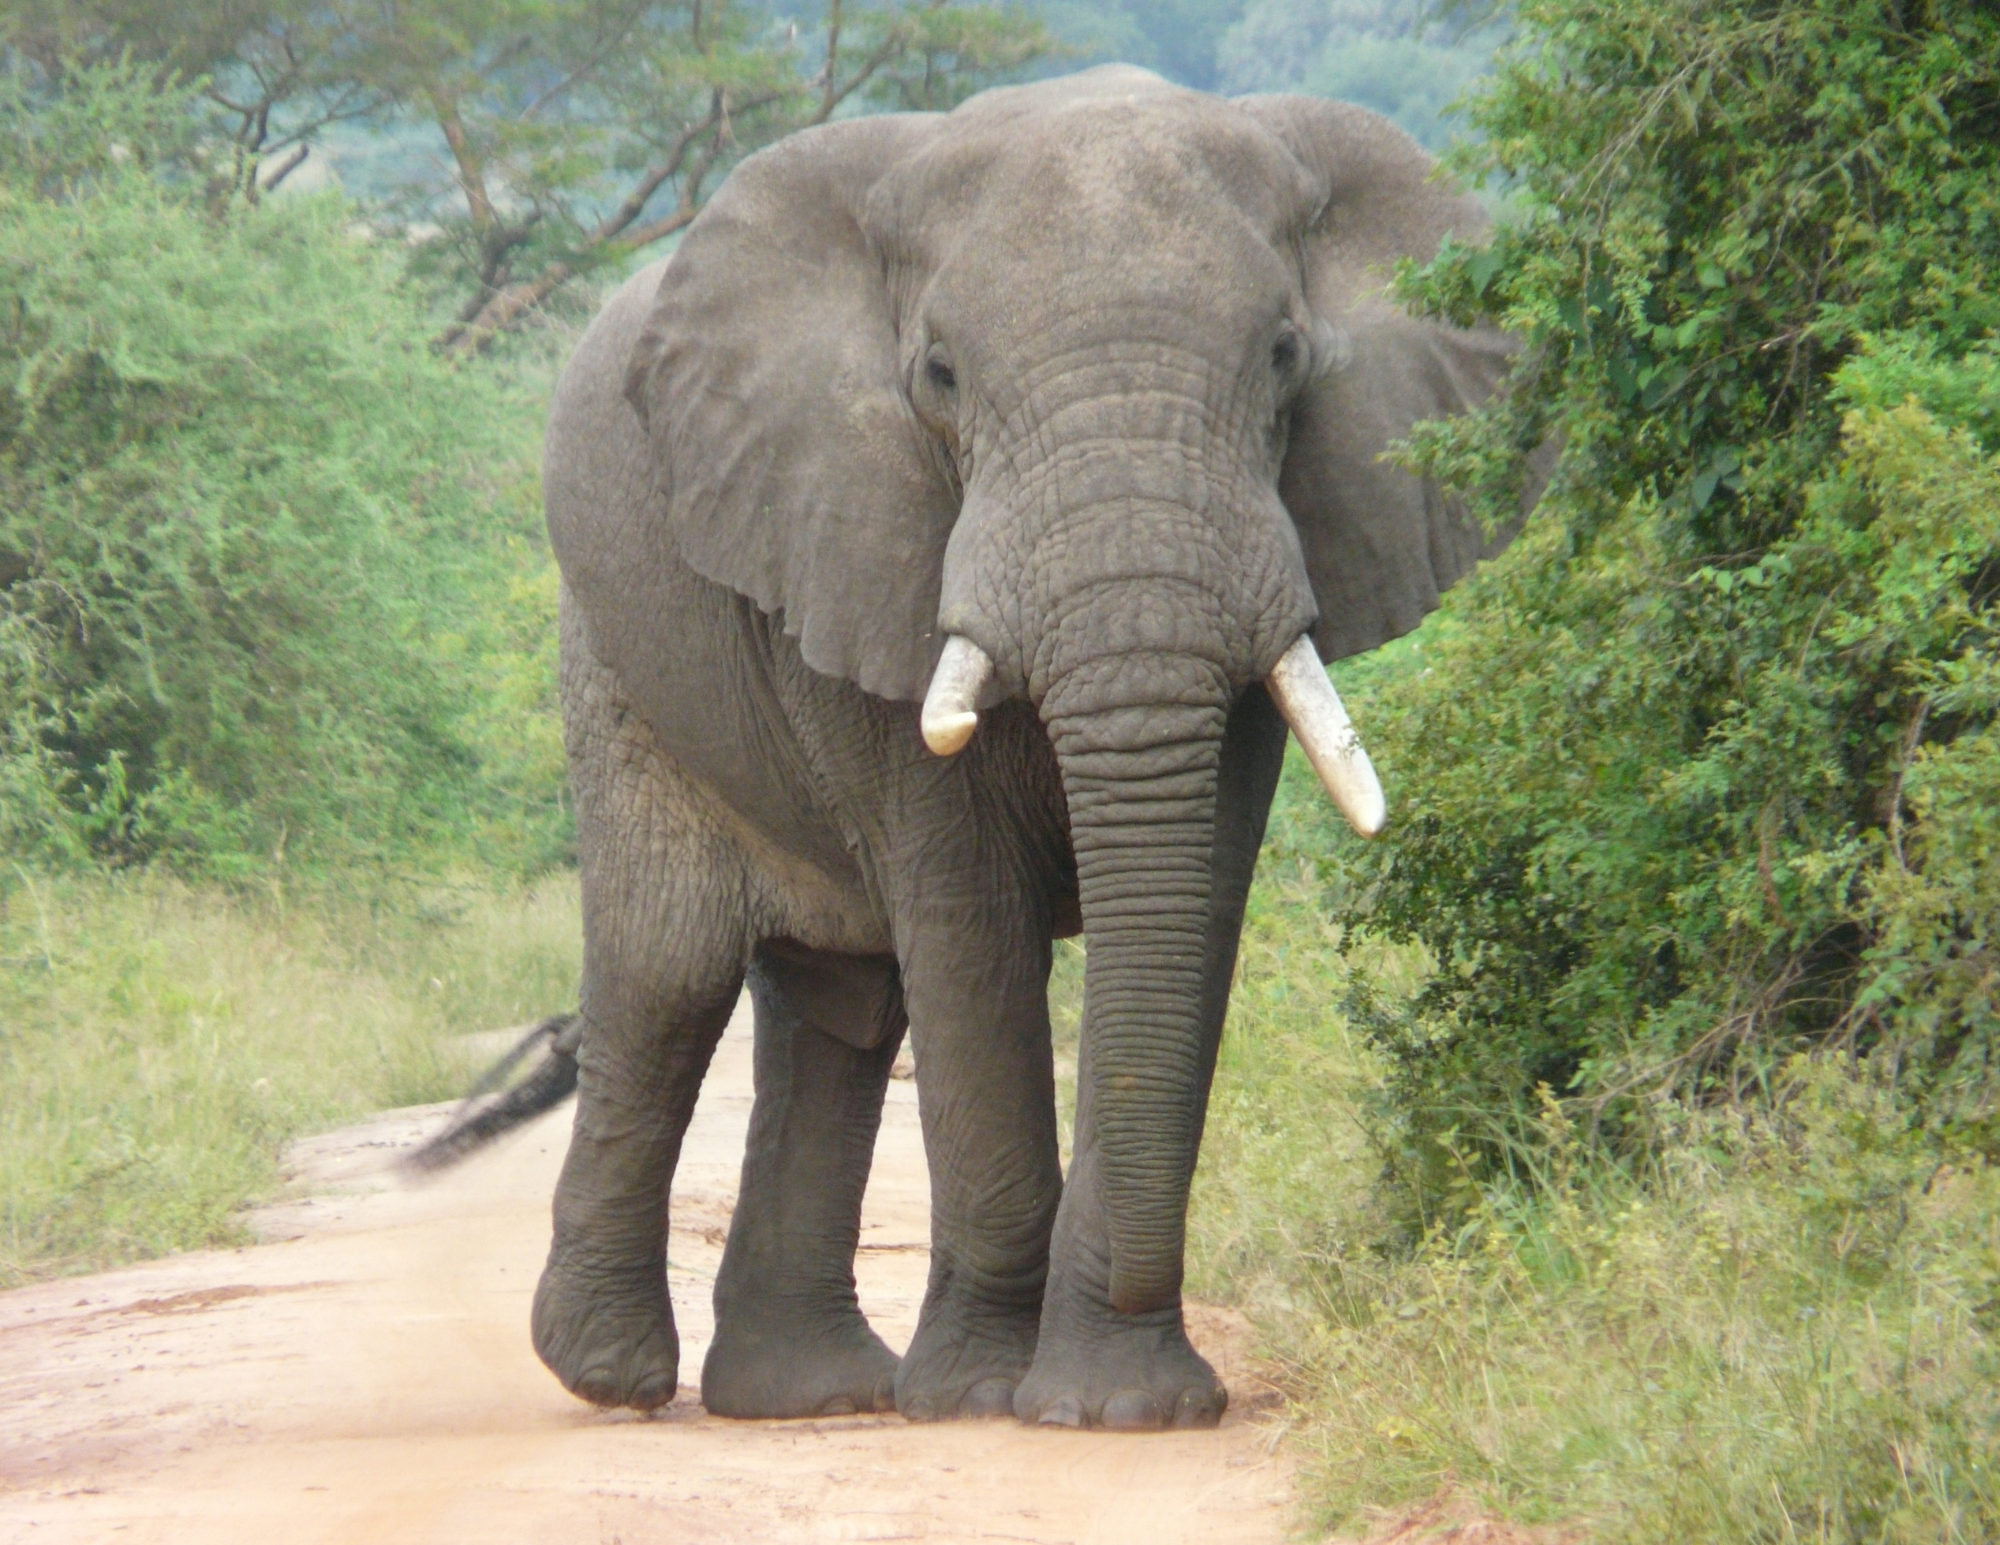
(791,466)
(1380,545)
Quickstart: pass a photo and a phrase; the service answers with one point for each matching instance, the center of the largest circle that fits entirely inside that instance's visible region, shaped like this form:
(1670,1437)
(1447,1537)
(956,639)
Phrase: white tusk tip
(1302,694)
(1369,823)
(947,734)
(949,716)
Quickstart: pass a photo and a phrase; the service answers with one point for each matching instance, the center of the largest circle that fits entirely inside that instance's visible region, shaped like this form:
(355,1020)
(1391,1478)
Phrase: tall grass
(160,1043)
(1786,1332)
(1782,1329)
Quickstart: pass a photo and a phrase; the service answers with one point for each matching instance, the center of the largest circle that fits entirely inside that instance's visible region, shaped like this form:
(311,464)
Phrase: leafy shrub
(1700,772)
(258,545)
(1780,1326)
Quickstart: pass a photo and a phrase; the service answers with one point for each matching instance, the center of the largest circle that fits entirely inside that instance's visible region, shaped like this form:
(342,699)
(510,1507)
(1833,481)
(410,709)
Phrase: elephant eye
(941,374)
(1285,354)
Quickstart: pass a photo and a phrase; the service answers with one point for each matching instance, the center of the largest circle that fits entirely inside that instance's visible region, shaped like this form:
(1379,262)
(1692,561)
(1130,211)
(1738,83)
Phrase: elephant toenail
(1197,1408)
(652,1394)
(920,1411)
(1066,1412)
(840,1405)
(885,1393)
(1134,1410)
(989,1398)
(600,1387)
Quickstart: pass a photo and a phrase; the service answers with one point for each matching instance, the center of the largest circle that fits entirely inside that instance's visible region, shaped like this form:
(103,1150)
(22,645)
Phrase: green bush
(1781,1327)
(1700,772)
(269,568)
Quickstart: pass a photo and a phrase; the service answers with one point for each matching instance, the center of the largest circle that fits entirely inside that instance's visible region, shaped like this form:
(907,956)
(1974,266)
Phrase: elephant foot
(800,1364)
(608,1333)
(1123,1372)
(965,1364)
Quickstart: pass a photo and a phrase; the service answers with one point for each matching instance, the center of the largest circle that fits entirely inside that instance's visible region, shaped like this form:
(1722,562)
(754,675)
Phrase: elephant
(949,530)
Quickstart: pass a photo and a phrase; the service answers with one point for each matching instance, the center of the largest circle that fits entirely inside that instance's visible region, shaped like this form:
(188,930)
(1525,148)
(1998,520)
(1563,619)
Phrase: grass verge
(160,1043)
(1786,1331)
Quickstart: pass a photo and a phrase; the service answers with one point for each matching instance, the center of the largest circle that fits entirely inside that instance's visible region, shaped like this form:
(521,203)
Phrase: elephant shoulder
(596,462)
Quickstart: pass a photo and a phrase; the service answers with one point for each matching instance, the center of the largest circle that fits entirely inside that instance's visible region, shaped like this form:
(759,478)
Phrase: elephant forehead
(1115,170)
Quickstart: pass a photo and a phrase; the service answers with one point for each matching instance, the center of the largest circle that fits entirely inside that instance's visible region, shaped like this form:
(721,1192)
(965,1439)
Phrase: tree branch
(891,46)
(471,172)
(690,157)
(497,312)
(286,167)
(659,229)
(503,310)
(634,203)
(498,308)
(618,35)
(828,101)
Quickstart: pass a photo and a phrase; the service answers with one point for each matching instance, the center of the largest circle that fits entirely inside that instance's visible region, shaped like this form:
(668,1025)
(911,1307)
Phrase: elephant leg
(790,1338)
(665,945)
(975,971)
(1096,1365)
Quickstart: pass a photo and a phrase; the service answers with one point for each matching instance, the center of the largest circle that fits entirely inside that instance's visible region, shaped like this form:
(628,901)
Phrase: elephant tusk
(949,716)
(1299,687)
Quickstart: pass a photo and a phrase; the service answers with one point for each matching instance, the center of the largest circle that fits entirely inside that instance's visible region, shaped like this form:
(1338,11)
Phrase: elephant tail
(492,1107)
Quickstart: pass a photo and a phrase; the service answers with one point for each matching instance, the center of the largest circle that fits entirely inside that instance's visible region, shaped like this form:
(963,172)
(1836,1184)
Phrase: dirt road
(366,1379)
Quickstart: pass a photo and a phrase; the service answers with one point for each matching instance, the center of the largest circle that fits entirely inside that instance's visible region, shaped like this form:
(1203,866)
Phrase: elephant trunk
(1141,784)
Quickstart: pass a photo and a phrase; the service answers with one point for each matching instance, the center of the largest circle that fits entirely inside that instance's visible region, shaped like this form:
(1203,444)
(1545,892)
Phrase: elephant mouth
(1298,686)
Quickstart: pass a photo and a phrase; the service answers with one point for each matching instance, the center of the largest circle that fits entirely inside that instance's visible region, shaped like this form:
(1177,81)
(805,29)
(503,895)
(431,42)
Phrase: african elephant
(948,532)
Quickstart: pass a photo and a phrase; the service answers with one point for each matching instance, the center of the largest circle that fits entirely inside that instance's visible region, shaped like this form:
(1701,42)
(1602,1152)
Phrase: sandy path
(368,1379)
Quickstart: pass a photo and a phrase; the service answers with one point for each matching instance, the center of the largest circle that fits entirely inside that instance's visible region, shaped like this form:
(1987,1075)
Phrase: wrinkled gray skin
(1054,372)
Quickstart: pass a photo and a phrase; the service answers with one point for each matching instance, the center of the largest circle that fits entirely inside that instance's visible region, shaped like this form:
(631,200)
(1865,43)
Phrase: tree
(602,131)
(1405,59)
(1700,773)
(572,132)
(261,551)
(276,73)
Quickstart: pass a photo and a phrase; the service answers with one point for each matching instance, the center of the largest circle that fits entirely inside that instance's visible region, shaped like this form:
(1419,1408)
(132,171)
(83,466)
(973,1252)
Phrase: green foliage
(1786,1333)
(261,552)
(1398,57)
(1412,81)
(554,137)
(1698,773)
(1781,1327)
(943,54)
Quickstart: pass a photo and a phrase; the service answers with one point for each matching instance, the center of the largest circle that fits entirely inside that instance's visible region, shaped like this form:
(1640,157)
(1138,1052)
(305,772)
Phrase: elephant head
(1077,394)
